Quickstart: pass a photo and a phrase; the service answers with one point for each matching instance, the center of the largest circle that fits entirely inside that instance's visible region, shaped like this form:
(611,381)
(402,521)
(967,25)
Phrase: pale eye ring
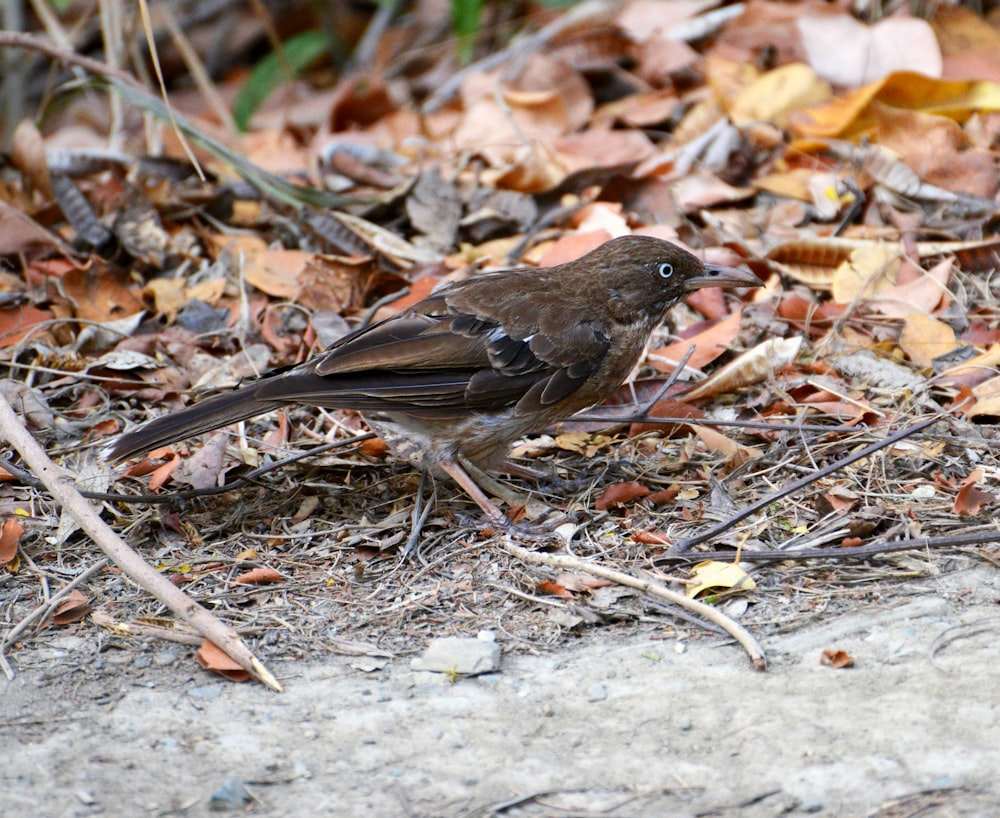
(665,270)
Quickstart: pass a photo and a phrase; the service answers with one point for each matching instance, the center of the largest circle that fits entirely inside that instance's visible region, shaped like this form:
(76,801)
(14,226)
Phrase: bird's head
(642,274)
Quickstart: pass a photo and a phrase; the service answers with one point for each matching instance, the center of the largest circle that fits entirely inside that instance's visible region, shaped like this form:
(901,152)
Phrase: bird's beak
(718,275)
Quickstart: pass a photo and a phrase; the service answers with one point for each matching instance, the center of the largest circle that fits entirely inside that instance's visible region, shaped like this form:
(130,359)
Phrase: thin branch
(648,586)
(147,577)
(796,485)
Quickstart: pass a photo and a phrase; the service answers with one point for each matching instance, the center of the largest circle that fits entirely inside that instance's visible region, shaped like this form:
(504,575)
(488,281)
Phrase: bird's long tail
(220,410)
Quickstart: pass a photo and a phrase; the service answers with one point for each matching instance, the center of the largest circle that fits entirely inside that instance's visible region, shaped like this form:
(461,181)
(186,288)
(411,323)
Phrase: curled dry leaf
(970,500)
(838,659)
(10,535)
(718,576)
(72,609)
(753,366)
(211,657)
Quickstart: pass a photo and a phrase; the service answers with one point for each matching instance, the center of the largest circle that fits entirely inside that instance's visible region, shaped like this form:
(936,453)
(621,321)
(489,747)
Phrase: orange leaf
(650,537)
(258,576)
(212,657)
(708,345)
(16,323)
(836,659)
(554,588)
(620,493)
(969,499)
(10,534)
(162,473)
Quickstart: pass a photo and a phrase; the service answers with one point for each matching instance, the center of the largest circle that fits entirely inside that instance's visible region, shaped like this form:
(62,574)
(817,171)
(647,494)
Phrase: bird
(479,363)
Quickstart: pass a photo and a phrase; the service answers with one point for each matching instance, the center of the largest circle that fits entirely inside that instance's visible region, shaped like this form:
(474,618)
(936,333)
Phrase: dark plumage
(480,362)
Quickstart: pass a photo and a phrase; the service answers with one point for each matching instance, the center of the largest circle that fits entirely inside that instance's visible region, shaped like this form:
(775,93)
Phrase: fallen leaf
(713,575)
(10,535)
(211,657)
(72,609)
(970,500)
(618,494)
(836,659)
(259,576)
(924,338)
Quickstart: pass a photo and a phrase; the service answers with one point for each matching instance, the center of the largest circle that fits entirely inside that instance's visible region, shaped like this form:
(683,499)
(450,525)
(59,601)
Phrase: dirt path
(612,725)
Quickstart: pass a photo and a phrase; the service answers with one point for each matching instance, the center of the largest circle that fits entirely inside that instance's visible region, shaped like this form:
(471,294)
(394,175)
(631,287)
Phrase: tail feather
(221,410)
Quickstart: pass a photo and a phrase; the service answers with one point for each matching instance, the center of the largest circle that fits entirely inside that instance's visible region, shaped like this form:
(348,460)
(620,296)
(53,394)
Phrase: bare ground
(626,720)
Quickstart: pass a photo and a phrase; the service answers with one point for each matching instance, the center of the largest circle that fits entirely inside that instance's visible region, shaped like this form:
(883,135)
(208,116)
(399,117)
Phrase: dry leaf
(211,657)
(258,576)
(718,576)
(836,659)
(10,535)
(924,338)
(72,609)
(618,494)
(970,500)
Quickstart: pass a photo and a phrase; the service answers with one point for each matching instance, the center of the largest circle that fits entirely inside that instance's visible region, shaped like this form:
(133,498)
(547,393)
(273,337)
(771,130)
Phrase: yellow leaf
(719,576)
(871,270)
(924,338)
(779,93)
(851,113)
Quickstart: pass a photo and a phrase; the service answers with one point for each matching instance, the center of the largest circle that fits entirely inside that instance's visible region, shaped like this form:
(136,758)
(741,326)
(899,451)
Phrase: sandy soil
(613,724)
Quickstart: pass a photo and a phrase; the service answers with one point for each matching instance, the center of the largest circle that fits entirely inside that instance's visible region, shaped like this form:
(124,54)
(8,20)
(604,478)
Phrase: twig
(56,481)
(841,553)
(714,530)
(713,615)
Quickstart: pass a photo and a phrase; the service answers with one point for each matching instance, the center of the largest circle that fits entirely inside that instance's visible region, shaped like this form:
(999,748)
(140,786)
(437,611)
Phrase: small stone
(205,692)
(231,795)
(459,656)
(597,693)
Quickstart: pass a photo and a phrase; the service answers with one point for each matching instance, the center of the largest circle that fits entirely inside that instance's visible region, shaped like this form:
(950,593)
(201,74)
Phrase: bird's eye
(665,270)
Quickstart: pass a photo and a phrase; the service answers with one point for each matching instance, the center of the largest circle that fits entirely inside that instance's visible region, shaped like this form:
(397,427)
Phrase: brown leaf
(10,535)
(72,609)
(211,657)
(16,323)
(547,586)
(970,499)
(709,344)
(650,537)
(836,659)
(618,494)
(259,576)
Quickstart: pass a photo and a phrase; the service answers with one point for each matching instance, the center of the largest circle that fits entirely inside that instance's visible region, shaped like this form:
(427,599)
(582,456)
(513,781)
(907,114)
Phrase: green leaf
(465,23)
(300,51)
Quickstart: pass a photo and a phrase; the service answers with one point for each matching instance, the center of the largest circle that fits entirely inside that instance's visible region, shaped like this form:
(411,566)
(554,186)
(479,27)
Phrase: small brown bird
(480,362)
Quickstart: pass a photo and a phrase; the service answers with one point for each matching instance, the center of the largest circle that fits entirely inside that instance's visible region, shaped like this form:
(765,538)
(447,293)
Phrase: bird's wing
(448,356)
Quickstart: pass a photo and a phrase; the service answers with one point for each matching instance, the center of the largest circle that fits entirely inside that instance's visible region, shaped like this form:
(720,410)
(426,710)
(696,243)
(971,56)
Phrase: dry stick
(795,485)
(648,586)
(841,552)
(119,552)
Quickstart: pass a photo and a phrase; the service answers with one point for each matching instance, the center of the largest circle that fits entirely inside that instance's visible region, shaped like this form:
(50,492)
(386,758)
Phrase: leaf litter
(866,200)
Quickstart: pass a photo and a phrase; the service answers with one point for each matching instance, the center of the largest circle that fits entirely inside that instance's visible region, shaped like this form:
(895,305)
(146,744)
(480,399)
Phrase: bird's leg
(461,476)
(489,483)
(528,473)
(479,479)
